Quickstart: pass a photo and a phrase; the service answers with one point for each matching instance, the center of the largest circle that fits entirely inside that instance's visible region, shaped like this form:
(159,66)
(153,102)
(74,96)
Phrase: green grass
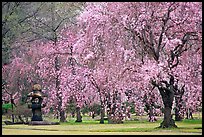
(192,121)
(92,127)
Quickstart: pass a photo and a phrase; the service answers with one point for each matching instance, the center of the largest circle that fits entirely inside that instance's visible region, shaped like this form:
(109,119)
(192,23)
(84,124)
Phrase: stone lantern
(36,102)
(36,105)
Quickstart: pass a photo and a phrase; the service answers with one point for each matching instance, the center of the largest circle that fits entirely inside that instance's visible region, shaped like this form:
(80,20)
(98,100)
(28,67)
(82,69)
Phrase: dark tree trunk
(93,115)
(61,112)
(13,119)
(62,116)
(12,103)
(168,121)
(167,98)
(102,114)
(149,110)
(78,115)
(178,116)
(189,114)
(167,94)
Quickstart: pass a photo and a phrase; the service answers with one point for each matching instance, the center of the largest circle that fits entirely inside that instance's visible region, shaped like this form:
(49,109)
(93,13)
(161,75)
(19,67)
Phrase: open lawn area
(92,127)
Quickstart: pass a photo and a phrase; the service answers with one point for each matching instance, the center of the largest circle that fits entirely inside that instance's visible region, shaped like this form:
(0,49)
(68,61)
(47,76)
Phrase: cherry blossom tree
(166,44)
(38,63)
(157,34)
(103,60)
(105,50)
(139,52)
(16,77)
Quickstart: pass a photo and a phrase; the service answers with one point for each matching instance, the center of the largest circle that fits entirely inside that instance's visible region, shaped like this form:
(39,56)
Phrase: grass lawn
(92,127)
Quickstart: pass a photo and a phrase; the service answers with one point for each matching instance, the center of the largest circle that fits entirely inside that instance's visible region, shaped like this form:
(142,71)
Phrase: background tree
(43,23)
(14,74)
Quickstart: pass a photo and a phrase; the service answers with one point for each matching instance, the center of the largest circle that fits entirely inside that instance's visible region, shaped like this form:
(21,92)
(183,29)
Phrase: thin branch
(60,24)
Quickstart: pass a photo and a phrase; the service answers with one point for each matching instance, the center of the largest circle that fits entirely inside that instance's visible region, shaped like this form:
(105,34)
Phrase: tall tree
(42,23)
(158,35)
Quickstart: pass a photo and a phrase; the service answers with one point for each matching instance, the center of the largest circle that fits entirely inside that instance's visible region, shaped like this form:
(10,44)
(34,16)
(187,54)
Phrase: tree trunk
(12,103)
(189,114)
(178,100)
(168,121)
(59,96)
(167,94)
(62,116)
(102,114)
(151,115)
(178,116)
(78,115)
(12,115)
(93,115)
